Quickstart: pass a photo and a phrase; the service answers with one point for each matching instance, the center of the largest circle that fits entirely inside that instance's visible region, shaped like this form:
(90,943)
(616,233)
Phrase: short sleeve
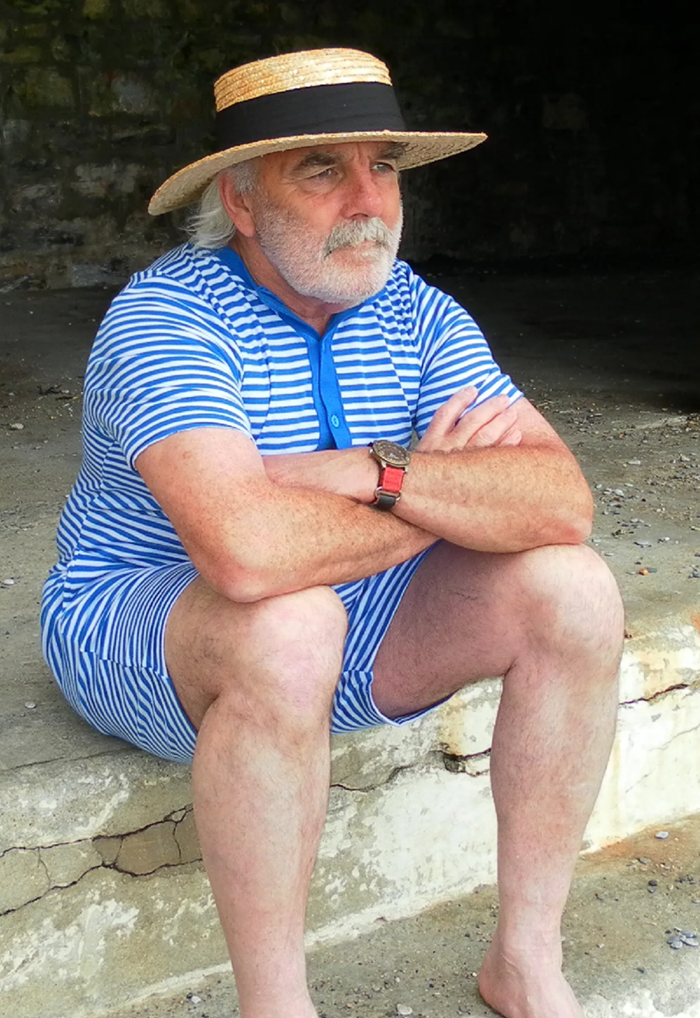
(454,354)
(162,363)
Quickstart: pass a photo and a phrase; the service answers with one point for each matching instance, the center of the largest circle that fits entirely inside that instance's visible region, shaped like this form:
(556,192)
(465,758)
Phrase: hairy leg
(257,681)
(549,621)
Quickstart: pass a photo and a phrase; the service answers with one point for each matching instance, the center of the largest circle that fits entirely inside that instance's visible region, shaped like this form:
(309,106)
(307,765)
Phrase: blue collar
(235,263)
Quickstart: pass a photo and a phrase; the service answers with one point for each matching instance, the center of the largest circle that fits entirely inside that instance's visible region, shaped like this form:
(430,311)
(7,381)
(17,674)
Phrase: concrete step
(626,903)
(103,897)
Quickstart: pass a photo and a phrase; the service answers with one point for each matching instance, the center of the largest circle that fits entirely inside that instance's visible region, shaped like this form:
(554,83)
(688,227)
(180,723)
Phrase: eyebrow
(394,150)
(315,160)
(312,160)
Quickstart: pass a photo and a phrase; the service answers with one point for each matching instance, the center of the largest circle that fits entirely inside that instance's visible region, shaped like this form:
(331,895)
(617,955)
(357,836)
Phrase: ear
(236,205)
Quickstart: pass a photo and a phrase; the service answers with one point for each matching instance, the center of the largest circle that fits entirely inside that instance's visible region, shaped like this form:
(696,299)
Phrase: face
(329,219)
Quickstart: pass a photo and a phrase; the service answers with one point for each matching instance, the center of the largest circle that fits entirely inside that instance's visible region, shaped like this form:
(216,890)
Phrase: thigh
(465,616)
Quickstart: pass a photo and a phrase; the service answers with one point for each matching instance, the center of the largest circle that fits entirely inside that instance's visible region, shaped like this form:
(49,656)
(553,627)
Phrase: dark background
(591,109)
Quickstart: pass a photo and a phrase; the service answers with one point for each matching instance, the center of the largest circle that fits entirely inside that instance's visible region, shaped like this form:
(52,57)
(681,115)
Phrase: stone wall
(591,110)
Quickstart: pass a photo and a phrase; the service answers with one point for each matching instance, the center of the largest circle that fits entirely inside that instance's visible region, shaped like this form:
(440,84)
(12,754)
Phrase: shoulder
(404,281)
(427,306)
(184,288)
(190,273)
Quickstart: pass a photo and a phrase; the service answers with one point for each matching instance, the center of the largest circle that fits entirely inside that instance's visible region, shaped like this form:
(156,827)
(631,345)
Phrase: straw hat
(307,98)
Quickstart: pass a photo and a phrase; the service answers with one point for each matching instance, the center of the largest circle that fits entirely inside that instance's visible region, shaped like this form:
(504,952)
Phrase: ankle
(525,946)
(272,1006)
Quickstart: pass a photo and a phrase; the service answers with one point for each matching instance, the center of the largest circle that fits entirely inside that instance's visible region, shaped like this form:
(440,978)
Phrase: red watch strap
(388,490)
(391,480)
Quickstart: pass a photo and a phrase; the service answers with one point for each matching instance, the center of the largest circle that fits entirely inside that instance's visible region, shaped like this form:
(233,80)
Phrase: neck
(314,312)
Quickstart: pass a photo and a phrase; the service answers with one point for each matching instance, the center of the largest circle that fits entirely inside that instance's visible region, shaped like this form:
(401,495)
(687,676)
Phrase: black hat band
(355,107)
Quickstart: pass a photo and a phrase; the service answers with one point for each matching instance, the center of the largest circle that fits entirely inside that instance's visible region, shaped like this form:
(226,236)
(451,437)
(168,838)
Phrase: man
(238,564)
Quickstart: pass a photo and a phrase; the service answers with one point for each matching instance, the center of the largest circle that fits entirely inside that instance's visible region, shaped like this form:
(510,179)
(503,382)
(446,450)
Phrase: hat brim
(422,147)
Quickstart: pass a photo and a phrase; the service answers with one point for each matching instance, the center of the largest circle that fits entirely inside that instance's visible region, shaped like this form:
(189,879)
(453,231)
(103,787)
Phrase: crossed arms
(494,479)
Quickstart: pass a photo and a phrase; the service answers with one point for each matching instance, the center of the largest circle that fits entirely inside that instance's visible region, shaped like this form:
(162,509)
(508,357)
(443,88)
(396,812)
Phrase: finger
(473,420)
(494,431)
(447,415)
(445,418)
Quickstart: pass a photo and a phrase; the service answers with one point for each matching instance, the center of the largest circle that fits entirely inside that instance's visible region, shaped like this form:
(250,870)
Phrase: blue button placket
(334,431)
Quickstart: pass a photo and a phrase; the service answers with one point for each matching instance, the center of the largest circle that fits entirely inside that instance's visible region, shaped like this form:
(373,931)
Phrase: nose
(364,197)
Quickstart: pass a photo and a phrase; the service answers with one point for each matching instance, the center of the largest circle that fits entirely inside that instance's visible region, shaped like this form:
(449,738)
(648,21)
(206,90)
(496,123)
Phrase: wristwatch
(393,462)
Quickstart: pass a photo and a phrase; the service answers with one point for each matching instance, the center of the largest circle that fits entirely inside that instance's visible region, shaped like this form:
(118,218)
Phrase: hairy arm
(494,479)
(497,498)
(252,538)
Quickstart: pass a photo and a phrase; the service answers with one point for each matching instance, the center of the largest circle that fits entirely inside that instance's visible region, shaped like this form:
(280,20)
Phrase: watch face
(392,453)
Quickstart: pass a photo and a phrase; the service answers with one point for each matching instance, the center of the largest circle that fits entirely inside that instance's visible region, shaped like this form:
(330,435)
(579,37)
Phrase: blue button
(335,421)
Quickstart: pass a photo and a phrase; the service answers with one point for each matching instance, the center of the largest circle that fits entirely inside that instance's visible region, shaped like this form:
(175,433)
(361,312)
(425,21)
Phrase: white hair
(209,226)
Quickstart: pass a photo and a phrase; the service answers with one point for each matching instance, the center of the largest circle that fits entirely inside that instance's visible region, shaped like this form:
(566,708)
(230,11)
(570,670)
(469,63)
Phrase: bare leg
(550,621)
(258,680)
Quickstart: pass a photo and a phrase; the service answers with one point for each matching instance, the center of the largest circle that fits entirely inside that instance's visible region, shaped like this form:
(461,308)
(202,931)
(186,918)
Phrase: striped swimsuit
(194,342)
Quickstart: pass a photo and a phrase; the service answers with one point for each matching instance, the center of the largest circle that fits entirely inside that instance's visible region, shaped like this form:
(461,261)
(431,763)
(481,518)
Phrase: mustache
(354,233)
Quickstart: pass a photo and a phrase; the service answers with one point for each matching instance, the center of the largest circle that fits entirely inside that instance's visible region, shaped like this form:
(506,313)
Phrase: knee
(575,599)
(287,665)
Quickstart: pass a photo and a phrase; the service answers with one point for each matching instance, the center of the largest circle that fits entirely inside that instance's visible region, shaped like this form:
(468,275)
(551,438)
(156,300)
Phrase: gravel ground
(627,902)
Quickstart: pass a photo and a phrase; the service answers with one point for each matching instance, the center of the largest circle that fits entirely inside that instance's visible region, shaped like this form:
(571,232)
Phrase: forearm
(500,499)
(303,538)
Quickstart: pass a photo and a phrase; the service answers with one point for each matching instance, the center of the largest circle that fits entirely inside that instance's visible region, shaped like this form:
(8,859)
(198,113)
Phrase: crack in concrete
(91,869)
(85,841)
(393,774)
(658,696)
(440,759)
(89,757)
(54,887)
(181,814)
(469,764)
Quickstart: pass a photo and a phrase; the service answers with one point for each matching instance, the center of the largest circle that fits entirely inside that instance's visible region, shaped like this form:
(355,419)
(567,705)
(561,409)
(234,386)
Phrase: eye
(385,168)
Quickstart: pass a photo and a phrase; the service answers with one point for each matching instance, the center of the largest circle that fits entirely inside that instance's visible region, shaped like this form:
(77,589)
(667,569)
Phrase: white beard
(313,266)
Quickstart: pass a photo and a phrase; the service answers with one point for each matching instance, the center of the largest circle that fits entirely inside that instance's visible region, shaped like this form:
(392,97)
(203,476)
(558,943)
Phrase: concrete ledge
(103,896)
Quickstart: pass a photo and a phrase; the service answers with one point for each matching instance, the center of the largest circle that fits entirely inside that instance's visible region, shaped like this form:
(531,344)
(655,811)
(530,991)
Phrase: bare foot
(526,984)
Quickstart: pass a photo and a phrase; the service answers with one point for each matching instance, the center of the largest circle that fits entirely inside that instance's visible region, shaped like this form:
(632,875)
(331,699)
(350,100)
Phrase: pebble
(30,705)
(9,582)
(404,1010)
(674,942)
(661,835)
(193,998)
(634,463)
(16,426)
(643,859)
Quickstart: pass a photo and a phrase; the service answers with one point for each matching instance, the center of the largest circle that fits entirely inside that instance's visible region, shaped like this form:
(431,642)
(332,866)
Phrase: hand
(454,426)
(348,472)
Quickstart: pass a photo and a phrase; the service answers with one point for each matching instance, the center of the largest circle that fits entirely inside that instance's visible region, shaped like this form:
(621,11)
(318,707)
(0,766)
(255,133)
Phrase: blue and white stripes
(193,342)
